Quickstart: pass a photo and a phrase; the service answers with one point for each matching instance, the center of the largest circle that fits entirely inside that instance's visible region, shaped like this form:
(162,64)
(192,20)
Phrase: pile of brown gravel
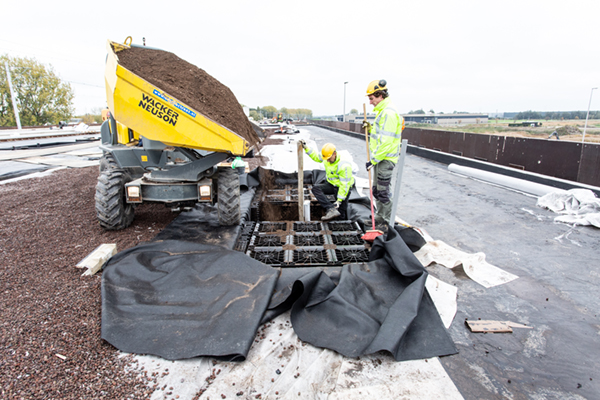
(47,309)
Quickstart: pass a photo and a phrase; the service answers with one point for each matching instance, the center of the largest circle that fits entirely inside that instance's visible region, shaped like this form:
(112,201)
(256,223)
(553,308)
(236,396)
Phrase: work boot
(381,226)
(331,214)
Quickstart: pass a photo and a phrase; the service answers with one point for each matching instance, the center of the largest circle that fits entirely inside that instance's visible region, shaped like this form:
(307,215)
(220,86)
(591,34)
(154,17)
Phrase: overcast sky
(461,55)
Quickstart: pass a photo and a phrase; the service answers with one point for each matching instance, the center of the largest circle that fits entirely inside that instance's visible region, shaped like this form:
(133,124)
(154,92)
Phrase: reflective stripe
(373,153)
(382,132)
(311,152)
(345,179)
(344,164)
(387,108)
(382,138)
(389,134)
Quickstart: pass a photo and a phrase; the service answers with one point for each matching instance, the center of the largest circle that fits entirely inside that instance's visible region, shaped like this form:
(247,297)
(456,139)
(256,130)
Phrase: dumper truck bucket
(156,115)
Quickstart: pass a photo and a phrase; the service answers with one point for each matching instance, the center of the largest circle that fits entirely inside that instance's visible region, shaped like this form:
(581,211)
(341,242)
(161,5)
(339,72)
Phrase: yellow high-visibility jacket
(339,172)
(386,133)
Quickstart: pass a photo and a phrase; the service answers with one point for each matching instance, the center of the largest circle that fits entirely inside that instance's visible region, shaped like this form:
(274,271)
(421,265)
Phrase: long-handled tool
(370,235)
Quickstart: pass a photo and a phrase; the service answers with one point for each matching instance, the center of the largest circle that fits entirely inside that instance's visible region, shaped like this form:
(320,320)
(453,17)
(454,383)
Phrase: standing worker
(339,181)
(385,139)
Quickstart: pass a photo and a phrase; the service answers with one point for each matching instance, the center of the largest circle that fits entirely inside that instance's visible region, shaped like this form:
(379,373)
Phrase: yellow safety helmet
(327,150)
(376,86)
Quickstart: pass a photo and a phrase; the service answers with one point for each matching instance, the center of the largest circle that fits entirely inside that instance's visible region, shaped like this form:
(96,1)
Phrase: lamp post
(587,116)
(13,98)
(344,114)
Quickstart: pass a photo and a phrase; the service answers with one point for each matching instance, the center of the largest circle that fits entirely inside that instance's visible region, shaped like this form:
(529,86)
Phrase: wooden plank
(494,326)
(96,259)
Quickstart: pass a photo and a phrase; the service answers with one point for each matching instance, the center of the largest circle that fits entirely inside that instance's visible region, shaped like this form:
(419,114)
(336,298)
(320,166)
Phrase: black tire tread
(112,211)
(228,192)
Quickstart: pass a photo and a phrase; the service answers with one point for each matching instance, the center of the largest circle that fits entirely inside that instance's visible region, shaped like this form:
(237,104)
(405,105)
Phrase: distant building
(440,119)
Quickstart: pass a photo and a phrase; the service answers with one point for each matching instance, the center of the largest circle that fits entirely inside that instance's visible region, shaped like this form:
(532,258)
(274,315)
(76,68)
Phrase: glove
(366,125)
(303,143)
(369,165)
(337,204)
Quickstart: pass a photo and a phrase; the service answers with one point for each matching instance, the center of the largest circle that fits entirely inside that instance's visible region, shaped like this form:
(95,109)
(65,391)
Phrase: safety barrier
(553,158)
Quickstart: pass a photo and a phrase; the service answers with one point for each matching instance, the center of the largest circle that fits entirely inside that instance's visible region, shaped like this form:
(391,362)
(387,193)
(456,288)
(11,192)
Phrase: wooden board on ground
(96,259)
(494,326)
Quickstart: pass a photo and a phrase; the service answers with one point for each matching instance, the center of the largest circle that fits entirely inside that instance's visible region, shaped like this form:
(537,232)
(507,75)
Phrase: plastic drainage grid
(300,244)
(246,233)
(286,194)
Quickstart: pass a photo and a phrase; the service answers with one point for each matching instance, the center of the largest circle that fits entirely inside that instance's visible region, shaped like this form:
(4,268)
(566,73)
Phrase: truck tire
(228,194)
(112,211)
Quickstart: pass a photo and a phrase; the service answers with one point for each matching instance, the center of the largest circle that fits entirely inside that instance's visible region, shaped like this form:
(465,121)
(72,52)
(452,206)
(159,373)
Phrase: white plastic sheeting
(474,265)
(280,366)
(578,206)
(520,185)
(444,297)
(284,157)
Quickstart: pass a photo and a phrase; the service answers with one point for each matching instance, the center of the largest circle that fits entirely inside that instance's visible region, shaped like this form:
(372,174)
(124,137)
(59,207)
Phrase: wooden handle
(366,132)
(367,141)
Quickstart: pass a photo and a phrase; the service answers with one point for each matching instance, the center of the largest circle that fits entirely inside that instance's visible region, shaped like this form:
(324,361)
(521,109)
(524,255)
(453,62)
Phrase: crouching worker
(339,181)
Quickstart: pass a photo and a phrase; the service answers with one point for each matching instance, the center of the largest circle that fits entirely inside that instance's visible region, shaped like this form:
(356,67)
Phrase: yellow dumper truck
(157,149)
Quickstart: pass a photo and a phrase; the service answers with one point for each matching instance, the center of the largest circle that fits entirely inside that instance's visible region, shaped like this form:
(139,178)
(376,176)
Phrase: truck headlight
(204,192)
(133,194)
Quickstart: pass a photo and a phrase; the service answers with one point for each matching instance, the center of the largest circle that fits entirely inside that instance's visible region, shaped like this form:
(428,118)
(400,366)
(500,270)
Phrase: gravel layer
(50,316)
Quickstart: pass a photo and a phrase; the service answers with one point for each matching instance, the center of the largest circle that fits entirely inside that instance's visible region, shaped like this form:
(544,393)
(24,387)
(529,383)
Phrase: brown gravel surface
(47,309)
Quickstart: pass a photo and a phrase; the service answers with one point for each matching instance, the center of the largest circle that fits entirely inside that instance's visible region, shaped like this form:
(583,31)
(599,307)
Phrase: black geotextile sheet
(179,298)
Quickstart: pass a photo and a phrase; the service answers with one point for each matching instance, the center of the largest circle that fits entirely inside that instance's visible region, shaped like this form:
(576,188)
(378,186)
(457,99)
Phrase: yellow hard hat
(376,86)
(327,150)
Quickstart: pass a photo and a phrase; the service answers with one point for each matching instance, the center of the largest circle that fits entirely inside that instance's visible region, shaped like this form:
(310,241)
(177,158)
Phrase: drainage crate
(301,244)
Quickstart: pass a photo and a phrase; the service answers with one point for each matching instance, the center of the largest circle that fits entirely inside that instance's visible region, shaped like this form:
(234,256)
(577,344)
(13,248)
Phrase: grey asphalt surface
(556,292)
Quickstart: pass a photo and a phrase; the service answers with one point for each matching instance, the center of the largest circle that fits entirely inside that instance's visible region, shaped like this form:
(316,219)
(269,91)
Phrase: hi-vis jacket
(386,133)
(339,173)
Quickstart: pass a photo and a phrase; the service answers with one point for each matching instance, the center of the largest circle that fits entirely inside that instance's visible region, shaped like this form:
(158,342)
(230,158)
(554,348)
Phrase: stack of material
(191,85)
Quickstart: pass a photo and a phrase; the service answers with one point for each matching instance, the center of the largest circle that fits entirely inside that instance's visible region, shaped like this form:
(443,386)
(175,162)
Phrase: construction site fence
(571,161)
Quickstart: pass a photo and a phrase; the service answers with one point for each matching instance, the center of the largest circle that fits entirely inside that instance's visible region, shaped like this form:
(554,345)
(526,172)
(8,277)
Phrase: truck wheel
(228,193)
(107,161)
(112,210)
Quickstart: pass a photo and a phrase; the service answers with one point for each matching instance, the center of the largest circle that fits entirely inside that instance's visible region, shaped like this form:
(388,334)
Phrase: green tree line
(269,112)
(40,95)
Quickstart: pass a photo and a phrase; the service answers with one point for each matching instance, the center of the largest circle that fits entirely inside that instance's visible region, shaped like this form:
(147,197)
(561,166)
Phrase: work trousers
(382,190)
(322,189)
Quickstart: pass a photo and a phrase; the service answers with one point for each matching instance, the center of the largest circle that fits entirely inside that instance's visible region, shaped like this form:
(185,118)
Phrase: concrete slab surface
(44,151)
(71,162)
